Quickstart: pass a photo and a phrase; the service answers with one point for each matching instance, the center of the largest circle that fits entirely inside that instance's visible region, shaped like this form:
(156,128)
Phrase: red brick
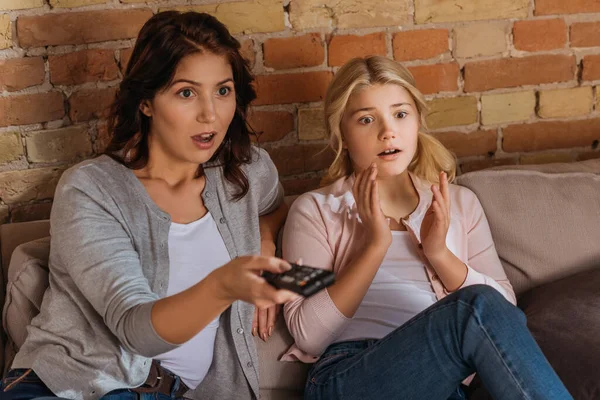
(436,78)
(91,103)
(31,212)
(585,34)
(317,157)
(271,126)
(551,135)
(289,160)
(343,48)
(421,44)
(294,52)
(103,138)
(247,51)
(591,68)
(469,144)
(19,73)
(540,35)
(83,66)
(297,159)
(299,186)
(590,155)
(477,165)
(546,7)
(513,72)
(80,27)
(125,56)
(292,88)
(31,108)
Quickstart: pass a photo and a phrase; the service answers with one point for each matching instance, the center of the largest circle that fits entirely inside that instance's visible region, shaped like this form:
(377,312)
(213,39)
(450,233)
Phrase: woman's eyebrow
(198,83)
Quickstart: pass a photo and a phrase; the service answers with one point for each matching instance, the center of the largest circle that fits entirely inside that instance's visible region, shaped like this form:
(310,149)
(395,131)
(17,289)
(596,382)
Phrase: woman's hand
(366,195)
(240,279)
(264,319)
(436,222)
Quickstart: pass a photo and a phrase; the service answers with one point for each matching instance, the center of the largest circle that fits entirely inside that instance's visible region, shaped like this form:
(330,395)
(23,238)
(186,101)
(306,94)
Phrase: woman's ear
(145,108)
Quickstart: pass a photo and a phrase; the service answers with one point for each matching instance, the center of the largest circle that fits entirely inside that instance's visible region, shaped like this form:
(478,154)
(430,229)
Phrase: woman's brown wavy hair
(164,40)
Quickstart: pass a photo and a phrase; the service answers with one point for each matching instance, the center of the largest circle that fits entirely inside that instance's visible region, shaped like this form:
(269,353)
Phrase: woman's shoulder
(95,173)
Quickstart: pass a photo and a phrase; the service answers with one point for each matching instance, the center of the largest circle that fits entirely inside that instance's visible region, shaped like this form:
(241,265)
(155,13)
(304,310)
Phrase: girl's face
(381,124)
(190,117)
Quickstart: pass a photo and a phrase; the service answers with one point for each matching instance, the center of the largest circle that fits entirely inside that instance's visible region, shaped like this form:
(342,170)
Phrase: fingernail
(253,331)
(270,331)
(264,337)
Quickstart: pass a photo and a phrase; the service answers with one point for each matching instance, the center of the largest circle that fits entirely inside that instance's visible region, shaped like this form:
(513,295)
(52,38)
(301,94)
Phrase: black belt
(160,380)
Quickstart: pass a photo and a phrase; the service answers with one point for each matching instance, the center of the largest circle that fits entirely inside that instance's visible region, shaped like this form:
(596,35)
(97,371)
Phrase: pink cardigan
(323,228)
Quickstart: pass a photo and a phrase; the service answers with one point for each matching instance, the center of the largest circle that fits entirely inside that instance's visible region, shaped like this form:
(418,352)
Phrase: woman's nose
(206,110)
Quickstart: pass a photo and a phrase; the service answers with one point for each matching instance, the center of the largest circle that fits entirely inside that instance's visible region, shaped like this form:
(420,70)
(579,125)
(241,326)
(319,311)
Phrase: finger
(440,221)
(366,190)
(262,323)
(271,318)
(255,321)
(275,296)
(271,264)
(437,195)
(375,205)
(445,187)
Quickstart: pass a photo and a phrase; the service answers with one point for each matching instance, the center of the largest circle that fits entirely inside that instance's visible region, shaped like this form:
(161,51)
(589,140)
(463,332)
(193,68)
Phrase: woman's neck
(164,167)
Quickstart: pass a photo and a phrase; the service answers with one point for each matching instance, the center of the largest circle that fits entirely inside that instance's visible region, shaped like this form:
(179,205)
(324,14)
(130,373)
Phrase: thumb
(275,265)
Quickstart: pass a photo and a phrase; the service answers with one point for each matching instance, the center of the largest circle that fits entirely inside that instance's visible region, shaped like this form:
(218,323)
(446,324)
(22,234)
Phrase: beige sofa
(546,224)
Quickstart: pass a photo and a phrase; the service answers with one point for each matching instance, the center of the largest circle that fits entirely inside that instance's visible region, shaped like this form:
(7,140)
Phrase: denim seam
(384,340)
(482,327)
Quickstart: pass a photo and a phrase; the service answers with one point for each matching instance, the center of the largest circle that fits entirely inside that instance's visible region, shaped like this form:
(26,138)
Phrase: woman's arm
(270,224)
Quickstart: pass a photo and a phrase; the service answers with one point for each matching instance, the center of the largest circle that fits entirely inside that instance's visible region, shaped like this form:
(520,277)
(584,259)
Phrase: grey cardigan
(109,263)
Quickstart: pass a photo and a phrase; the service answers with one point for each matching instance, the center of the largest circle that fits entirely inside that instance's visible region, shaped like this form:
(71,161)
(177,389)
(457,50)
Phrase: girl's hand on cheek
(366,195)
(436,222)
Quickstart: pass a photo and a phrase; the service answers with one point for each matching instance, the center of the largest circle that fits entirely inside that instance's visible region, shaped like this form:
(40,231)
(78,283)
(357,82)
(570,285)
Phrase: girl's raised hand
(434,227)
(366,195)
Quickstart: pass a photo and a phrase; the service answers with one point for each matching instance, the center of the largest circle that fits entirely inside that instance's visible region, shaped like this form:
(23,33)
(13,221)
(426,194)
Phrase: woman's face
(190,117)
(381,124)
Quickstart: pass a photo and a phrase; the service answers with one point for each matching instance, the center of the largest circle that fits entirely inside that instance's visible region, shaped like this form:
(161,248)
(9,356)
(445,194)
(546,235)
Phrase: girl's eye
(224,91)
(186,93)
(401,114)
(366,120)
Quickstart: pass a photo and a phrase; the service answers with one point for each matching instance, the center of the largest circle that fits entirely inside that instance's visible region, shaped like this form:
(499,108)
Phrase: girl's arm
(316,321)
(483,266)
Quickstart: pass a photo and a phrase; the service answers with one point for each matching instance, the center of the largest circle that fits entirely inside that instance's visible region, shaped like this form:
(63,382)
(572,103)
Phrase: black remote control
(301,279)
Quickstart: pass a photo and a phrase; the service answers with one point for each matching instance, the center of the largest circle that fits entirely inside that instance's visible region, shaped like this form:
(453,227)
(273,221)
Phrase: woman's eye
(186,93)
(224,91)
(366,120)
(401,114)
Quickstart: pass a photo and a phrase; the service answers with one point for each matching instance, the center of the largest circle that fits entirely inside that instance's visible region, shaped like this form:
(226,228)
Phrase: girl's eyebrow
(372,108)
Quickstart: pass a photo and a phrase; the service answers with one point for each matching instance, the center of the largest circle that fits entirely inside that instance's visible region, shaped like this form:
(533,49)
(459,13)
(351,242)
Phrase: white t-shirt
(195,250)
(399,291)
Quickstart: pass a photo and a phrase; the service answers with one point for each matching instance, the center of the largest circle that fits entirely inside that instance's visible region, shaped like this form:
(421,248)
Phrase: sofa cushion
(564,320)
(545,220)
(275,374)
(27,281)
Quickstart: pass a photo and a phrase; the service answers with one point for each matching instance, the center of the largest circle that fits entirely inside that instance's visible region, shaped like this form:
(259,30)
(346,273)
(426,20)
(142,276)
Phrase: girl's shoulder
(328,199)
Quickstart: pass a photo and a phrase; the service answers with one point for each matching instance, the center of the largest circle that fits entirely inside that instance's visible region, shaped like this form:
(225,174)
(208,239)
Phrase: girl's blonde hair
(431,156)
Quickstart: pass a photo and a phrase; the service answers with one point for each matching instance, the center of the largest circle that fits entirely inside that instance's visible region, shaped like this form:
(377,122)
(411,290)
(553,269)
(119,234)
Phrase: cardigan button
(434,277)
(249,364)
(240,331)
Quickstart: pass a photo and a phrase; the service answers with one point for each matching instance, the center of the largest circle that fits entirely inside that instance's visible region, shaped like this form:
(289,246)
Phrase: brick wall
(508,81)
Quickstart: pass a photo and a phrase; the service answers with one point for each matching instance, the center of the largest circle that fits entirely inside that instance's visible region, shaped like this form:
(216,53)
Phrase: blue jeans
(16,387)
(472,330)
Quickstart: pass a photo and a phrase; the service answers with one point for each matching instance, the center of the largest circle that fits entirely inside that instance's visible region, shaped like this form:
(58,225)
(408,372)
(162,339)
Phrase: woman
(421,301)
(152,279)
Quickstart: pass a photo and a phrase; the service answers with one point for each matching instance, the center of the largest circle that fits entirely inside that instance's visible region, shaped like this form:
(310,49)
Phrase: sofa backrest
(545,219)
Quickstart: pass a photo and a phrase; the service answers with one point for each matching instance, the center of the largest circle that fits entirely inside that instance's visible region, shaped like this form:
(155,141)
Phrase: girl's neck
(398,196)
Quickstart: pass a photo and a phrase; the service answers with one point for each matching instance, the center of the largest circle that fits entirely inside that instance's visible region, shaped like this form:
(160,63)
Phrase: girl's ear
(145,108)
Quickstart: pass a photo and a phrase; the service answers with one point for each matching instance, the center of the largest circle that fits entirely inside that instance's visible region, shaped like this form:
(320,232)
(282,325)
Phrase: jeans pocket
(321,371)
(14,377)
